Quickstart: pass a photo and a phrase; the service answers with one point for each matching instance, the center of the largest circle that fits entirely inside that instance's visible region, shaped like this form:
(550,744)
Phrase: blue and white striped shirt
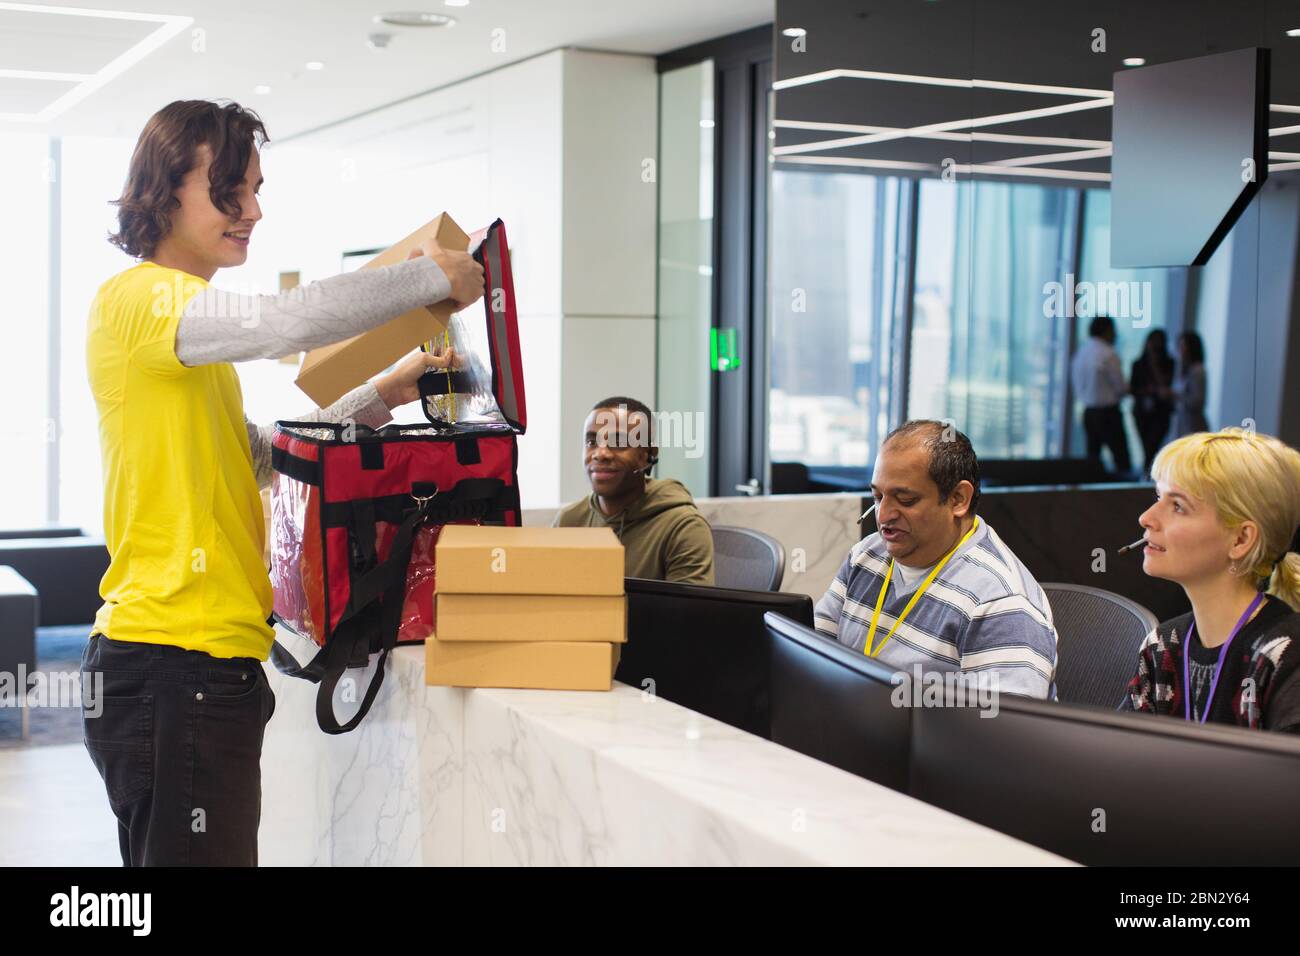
(984,613)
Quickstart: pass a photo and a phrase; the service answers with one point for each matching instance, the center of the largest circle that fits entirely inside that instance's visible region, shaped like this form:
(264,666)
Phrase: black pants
(1105,426)
(1152,426)
(177,737)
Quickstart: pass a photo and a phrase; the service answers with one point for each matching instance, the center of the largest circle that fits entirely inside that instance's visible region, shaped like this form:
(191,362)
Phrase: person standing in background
(1098,380)
(1189,387)
(1151,384)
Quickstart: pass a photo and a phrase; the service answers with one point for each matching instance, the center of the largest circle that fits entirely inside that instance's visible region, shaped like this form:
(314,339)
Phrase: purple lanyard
(1218,668)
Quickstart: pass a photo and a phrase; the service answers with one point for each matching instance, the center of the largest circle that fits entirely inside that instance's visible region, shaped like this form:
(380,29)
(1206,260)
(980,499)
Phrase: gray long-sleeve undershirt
(223,326)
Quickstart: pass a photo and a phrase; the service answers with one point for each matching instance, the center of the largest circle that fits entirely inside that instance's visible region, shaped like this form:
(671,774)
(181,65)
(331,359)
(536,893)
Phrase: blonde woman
(1224,527)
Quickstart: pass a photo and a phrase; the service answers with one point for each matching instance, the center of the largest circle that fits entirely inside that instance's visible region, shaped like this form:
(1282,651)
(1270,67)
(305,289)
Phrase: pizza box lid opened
(331,371)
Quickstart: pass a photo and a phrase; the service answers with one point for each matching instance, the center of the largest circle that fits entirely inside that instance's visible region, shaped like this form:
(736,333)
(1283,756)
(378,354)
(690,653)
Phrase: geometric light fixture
(963,123)
(965,128)
(88,83)
(971,129)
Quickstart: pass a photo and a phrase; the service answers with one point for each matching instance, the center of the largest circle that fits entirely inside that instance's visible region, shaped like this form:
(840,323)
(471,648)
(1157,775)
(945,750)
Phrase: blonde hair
(1245,476)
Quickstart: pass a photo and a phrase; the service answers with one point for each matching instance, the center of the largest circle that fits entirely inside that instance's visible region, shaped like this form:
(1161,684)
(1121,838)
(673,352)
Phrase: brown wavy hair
(167,150)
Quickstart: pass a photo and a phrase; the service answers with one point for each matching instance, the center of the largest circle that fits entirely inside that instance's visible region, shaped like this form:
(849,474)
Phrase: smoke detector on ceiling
(415,18)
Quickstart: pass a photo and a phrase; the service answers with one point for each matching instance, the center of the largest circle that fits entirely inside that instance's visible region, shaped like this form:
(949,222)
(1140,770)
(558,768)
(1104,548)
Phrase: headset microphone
(650,464)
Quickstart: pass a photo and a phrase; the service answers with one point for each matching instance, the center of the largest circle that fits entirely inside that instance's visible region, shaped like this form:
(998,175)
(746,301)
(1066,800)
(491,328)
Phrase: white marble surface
(816,531)
(388,793)
(446,776)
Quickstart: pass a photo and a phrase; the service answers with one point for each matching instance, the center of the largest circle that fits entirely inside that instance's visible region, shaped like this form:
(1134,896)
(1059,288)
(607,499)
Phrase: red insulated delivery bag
(356,512)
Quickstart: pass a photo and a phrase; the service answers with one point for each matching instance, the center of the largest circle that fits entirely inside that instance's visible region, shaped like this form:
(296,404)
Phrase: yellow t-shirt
(181,509)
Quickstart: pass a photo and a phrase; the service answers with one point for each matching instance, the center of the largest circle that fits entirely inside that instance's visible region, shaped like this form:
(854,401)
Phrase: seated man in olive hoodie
(664,535)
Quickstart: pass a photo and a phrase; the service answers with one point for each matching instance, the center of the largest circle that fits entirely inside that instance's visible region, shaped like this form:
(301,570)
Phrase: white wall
(609,236)
(24,258)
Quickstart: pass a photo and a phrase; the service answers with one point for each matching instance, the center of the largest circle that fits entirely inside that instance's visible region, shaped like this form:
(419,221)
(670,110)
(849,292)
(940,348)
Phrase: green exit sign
(724,356)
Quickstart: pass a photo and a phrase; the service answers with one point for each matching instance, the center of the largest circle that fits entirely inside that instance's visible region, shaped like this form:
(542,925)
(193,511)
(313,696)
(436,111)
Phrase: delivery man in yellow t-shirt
(176,731)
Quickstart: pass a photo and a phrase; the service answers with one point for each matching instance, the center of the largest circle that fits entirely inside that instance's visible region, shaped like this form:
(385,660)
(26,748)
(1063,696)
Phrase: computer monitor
(704,647)
(1113,788)
(832,703)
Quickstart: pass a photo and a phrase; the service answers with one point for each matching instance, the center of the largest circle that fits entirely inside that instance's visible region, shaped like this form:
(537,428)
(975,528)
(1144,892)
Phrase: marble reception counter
(450,776)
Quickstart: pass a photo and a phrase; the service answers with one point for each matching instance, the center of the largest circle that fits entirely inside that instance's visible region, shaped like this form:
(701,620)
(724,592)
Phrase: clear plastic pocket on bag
(296,559)
(298,573)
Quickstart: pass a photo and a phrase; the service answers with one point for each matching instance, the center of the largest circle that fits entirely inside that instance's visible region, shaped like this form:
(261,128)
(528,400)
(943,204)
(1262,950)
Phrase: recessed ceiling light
(415,18)
(261,89)
(1135,61)
(456,3)
(793,32)
(315,65)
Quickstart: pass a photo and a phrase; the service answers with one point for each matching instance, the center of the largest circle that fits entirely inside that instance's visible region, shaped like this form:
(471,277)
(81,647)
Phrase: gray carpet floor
(58,650)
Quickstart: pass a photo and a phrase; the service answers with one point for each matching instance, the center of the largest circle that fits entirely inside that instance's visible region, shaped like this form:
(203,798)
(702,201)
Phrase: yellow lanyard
(884,588)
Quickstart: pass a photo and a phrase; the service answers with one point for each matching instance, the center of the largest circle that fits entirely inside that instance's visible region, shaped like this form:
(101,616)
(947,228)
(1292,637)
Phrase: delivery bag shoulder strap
(352,638)
(366,626)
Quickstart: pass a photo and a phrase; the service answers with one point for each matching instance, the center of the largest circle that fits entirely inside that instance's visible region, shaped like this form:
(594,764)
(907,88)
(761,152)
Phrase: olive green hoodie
(664,535)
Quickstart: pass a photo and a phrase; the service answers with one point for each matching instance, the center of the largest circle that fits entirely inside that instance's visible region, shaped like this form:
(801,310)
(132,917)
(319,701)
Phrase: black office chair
(747,559)
(1098,636)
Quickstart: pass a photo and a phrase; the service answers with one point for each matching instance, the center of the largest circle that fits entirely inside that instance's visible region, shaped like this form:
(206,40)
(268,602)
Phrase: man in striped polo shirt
(954,596)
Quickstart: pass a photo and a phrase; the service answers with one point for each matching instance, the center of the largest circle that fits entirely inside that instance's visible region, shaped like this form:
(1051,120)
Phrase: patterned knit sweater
(1260,684)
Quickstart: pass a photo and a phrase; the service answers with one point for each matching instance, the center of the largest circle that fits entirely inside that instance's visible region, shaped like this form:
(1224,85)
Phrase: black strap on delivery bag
(371,619)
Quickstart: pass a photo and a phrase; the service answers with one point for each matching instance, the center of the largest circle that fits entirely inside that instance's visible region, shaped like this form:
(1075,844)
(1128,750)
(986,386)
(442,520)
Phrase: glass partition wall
(940,235)
(686,201)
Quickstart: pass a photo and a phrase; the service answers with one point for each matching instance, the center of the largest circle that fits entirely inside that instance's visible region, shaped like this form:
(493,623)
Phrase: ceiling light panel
(28,97)
(59,43)
(43,48)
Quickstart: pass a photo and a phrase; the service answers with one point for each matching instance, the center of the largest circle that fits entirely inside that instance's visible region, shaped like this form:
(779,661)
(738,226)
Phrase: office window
(24,362)
(685,268)
(834,288)
(1139,300)
(984,353)
(93,170)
